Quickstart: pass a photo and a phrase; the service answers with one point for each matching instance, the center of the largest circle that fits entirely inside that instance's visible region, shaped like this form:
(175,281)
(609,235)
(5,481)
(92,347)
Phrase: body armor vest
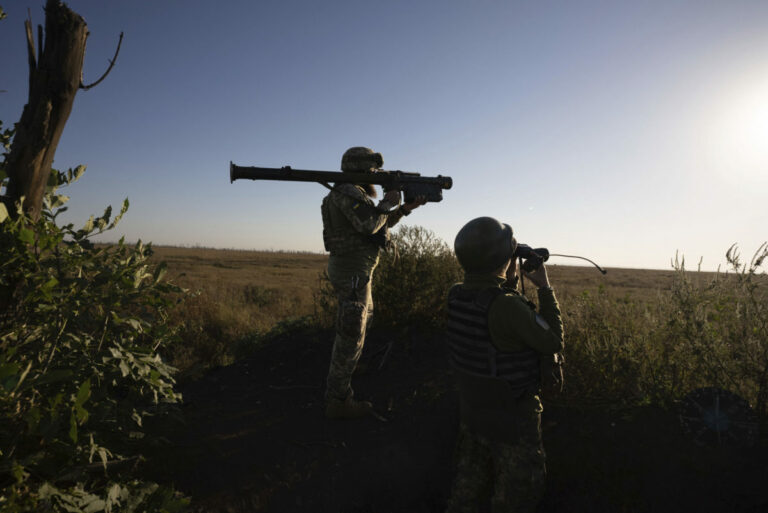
(471,348)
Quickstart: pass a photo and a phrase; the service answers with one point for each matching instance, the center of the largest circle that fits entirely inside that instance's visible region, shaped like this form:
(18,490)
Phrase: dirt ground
(254,439)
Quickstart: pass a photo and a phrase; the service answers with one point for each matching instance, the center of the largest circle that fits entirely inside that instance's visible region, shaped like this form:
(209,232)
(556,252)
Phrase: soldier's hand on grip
(419,201)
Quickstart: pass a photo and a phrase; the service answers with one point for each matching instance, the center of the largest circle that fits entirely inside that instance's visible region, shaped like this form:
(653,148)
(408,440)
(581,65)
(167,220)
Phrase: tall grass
(705,331)
(632,336)
(238,297)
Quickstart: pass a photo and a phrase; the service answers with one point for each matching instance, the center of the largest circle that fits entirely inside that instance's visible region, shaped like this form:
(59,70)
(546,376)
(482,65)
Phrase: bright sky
(621,131)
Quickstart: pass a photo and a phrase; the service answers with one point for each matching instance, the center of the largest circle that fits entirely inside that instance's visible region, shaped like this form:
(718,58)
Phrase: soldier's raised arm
(358,209)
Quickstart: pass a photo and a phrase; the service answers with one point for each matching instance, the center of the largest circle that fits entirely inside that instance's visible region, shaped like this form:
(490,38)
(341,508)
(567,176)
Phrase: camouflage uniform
(499,451)
(350,220)
(512,474)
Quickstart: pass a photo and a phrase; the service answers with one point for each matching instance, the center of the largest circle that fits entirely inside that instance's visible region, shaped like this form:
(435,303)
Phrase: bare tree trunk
(53,82)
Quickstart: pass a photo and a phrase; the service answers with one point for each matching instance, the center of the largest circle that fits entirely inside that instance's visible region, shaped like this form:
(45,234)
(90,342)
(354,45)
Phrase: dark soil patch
(255,440)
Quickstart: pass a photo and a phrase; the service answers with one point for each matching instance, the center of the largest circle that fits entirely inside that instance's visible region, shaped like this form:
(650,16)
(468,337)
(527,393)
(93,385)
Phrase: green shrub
(720,328)
(409,284)
(80,327)
(704,332)
(606,347)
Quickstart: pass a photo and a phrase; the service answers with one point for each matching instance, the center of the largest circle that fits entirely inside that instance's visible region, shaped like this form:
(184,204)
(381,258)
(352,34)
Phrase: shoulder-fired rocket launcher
(412,185)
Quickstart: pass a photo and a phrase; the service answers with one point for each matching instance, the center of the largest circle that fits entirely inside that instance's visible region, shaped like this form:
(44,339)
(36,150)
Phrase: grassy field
(637,342)
(240,294)
(255,290)
(632,335)
(236,296)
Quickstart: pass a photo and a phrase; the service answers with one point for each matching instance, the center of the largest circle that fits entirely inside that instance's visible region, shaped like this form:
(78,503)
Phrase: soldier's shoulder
(349,190)
(510,300)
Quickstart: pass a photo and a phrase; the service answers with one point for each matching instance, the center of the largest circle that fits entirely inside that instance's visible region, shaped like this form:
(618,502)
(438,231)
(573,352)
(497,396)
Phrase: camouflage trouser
(511,474)
(353,291)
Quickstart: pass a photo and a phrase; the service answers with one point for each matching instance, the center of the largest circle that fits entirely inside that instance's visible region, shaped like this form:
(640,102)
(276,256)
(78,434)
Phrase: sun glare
(740,141)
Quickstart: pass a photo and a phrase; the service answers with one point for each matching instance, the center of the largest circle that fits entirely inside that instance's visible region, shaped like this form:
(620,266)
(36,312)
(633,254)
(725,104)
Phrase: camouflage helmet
(360,159)
(484,244)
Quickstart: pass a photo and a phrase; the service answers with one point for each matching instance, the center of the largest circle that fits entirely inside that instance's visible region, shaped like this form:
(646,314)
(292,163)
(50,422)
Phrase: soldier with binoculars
(500,348)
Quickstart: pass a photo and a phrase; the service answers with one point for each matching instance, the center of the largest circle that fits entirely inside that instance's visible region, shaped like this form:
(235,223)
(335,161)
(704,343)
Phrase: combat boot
(350,408)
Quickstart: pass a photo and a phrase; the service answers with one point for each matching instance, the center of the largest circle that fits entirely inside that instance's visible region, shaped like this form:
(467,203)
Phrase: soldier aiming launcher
(413,185)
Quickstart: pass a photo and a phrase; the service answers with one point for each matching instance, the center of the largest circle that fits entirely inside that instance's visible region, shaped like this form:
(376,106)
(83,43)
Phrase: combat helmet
(483,245)
(360,159)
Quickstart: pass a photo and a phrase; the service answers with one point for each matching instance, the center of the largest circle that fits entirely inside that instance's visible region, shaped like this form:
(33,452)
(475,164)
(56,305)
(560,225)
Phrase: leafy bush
(409,284)
(607,340)
(721,329)
(80,327)
(704,332)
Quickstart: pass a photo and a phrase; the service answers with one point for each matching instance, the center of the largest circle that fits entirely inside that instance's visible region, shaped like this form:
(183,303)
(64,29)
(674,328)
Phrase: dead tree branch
(54,77)
(30,48)
(111,64)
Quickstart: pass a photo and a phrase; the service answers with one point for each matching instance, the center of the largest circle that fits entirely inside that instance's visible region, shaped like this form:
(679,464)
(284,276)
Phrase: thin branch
(111,64)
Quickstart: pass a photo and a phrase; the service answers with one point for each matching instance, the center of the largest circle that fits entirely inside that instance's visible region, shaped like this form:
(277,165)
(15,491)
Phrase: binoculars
(531,258)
